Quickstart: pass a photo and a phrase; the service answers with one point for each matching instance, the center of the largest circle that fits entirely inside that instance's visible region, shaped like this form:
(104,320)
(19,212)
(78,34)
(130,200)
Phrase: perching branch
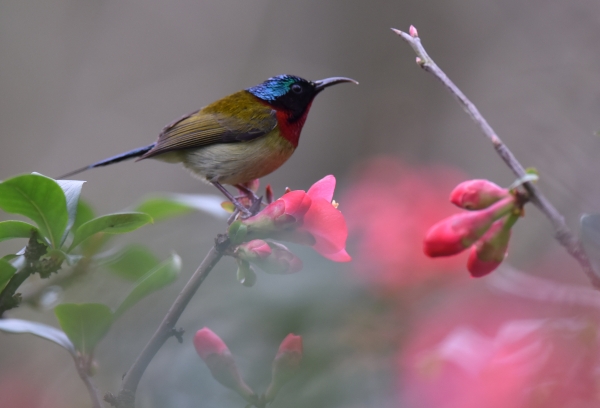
(562,233)
(126,397)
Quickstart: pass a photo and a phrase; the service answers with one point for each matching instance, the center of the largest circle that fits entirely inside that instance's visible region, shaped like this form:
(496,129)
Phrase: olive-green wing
(206,127)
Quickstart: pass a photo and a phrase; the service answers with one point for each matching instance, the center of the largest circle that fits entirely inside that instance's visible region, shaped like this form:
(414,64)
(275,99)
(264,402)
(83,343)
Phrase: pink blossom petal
(341,256)
(327,225)
(297,203)
(323,188)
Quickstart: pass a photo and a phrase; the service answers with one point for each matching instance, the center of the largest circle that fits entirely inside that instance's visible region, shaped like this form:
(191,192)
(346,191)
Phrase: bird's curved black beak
(324,83)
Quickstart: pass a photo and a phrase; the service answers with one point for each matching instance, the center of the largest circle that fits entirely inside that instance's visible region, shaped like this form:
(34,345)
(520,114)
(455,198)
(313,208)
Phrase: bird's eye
(297,89)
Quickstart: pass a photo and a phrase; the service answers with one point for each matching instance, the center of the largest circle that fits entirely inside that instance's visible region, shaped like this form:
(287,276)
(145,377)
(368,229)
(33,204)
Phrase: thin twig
(82,366)
(126,397)
(562,233)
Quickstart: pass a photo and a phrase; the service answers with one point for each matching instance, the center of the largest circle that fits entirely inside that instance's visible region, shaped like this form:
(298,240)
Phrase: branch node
(111,399)
(222,243)
(178,334)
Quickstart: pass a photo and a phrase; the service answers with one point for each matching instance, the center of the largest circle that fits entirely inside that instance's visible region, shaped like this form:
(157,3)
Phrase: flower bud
(253,250)
(270,256)
(412,31)
(285,365)
(489,252)
(458,232)
(477,194)
(220,362)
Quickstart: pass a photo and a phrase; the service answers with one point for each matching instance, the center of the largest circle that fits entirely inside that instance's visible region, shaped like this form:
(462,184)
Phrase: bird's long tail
(114,159)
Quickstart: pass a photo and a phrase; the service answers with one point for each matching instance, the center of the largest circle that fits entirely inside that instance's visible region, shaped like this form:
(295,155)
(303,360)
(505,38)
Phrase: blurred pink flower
(495,356)
(389,208)
(21,390)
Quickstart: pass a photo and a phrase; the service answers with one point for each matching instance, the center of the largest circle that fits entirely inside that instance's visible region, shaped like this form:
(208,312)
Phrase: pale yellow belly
(234,163)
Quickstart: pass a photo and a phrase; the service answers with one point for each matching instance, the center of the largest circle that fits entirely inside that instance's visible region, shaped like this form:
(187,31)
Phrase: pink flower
(496,357)
(307,218)
(477,194)
(455,234)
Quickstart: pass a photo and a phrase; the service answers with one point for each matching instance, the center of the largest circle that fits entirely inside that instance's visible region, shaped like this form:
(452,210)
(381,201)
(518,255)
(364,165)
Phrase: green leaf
(38,329)
(162,275)
(40,199)
(72,190)
(245,274)
(15,229)
(133,262)
(110,224)
(174,205)
(84,214)
(85,324)
(6,272)
(237,232)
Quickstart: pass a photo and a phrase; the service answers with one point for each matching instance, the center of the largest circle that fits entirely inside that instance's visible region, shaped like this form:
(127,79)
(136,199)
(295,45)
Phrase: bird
(236,139)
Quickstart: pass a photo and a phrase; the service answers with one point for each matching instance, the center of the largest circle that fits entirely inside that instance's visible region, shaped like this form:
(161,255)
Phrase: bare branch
(126,397)
(562,233)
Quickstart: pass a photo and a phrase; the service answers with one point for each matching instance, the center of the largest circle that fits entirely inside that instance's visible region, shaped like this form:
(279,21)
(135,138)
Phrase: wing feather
(246,119)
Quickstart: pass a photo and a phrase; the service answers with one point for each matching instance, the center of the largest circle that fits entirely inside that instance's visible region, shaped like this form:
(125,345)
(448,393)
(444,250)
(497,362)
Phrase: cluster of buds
(215,353)
(302,217)
(485,227)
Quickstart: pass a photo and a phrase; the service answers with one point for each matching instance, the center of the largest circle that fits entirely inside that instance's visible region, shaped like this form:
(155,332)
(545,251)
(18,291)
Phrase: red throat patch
(291,131)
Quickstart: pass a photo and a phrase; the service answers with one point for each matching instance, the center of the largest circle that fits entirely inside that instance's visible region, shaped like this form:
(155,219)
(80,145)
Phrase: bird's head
(293,94)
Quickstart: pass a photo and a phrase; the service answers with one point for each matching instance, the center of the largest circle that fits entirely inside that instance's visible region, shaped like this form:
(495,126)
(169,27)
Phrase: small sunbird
(239,138)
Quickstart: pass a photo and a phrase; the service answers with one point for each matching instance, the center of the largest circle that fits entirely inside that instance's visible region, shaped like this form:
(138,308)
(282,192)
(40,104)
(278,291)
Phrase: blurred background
(81,80)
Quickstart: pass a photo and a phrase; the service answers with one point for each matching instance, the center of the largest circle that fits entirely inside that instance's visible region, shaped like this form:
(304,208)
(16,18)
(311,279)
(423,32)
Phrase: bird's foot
(239,206)
(256,201)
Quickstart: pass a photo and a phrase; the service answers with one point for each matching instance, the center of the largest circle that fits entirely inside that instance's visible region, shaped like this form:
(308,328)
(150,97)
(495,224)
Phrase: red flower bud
(285,365)
(270,256)
(477,194)
(489,252)
(458,232)
(255,249)
(220,362)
